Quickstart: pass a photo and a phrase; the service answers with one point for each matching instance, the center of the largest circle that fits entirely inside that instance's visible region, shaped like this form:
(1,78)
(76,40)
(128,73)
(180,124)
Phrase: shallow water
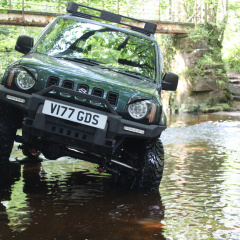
(199,197)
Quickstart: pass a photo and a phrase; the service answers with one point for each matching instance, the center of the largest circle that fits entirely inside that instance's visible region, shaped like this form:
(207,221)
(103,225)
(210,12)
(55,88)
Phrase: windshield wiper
(128,73)
(135,73)
(82,60)
(93,62)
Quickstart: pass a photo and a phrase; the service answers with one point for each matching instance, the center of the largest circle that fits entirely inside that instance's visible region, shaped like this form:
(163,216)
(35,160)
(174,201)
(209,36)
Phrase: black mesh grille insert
(52,81)
(112,98)
(97,92)
(68,84)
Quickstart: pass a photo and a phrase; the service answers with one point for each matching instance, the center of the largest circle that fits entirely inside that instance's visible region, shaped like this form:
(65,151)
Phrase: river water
(199,197)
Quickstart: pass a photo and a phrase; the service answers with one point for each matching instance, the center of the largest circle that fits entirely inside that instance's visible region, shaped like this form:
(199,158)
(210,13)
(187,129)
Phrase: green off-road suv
(90,90)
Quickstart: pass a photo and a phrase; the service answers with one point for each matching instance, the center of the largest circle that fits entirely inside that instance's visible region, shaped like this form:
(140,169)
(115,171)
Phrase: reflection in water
(68,199)
(17,208)
(200,188)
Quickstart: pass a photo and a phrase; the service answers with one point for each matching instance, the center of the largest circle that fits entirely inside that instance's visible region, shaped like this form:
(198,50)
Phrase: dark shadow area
(80,205)
(9,174)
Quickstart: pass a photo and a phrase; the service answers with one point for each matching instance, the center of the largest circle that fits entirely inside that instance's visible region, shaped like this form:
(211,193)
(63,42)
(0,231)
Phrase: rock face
(199,90)
(234,87)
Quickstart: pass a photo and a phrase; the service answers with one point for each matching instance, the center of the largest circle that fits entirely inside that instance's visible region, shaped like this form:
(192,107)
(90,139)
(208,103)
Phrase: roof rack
(148,28)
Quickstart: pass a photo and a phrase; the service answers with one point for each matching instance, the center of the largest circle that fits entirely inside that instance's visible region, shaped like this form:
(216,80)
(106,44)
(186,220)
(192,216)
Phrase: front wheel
(153,165)
(148,159)
(9,123)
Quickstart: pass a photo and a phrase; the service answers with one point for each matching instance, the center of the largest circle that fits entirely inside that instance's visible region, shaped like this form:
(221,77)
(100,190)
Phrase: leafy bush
(233,59)
(8,37)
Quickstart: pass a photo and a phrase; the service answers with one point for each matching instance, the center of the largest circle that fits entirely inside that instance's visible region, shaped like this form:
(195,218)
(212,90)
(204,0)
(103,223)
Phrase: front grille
(112,98)
(68,84)
(52,81)
(97,92)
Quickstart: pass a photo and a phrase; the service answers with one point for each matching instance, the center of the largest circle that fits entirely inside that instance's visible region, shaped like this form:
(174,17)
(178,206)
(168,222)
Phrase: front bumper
(73,134)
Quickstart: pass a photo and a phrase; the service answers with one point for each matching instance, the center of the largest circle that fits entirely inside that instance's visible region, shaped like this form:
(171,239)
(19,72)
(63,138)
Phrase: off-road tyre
(10,121)
(148,158)
(153,165)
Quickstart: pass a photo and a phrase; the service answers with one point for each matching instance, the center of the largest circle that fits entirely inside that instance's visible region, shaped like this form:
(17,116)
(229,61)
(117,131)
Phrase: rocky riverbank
(234,87)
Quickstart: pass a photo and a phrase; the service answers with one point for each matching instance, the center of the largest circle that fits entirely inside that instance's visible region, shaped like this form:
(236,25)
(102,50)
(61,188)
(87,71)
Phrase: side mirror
(24,44)
(170,81)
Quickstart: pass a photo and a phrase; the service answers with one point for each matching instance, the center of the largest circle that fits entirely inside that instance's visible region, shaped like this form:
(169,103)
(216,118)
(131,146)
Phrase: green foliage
(211,60)
(60,5)
(8,37)
(198,34)
(217,108)
(168,46)
(191,74)
(233,59)
(209,32)
(207,61)
(231,46)
(211,35)
(189,6)
(7,43)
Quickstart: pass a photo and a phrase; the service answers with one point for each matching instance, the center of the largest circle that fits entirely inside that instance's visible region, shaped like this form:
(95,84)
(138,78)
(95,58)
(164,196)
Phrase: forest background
(219,22)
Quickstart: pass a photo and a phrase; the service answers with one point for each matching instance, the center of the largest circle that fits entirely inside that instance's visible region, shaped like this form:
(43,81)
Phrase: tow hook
(100,169)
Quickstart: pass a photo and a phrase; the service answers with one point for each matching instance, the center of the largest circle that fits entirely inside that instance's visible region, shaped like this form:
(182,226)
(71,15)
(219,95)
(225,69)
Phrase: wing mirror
(24,44)
(170,81)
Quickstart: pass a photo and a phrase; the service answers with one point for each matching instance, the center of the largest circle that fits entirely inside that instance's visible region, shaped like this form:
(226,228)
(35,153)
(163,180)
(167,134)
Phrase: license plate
(74,114)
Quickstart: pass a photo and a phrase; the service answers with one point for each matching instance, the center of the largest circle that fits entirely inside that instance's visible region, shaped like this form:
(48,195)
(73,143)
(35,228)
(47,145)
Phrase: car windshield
(99,45)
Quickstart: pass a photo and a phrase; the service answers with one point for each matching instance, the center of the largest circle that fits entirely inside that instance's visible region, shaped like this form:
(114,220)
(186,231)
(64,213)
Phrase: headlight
(138,110)
(24,80)
(143,110)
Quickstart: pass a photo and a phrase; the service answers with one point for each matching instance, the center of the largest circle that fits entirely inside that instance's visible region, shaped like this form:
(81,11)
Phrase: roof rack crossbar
(148,28)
